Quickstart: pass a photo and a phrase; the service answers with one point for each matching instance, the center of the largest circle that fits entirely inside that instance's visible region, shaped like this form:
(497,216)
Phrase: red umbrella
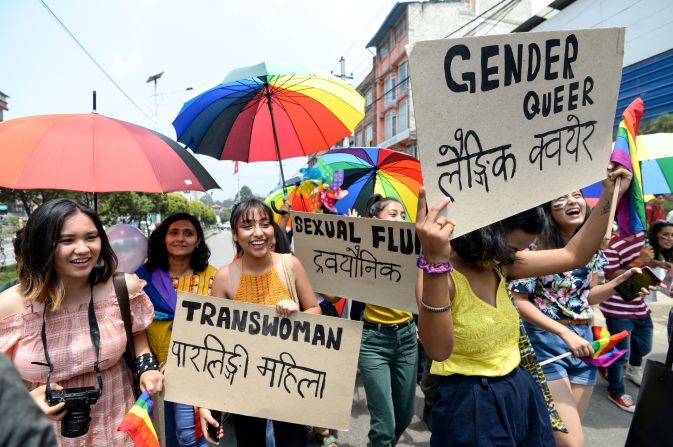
(94,153)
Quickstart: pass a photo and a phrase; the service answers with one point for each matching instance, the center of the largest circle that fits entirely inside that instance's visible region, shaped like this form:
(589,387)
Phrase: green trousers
(388,364)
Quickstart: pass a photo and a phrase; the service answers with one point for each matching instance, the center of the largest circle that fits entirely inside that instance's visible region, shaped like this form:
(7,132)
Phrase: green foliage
(225,215)
(202,212)
(661,124)
(126,207)
(173,203)
(207,200)
(244,193)
(29,199)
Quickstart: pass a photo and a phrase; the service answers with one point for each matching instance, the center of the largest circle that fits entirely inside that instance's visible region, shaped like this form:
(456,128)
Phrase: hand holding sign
(434,230)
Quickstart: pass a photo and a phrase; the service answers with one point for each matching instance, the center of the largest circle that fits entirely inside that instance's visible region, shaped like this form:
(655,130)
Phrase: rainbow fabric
(605,352)
(138,423)
(631,208)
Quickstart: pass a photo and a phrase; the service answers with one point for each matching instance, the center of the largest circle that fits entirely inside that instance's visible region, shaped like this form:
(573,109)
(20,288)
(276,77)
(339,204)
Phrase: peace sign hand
(433,230)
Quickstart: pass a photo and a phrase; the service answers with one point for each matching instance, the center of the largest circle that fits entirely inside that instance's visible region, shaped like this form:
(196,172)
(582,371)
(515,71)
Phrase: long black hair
(157,254)
(38,278)
(659,253)
(489,245)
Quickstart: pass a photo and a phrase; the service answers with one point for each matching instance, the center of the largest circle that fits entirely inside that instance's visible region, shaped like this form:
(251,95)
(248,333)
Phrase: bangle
(435,267)
(435,309)
(146,362)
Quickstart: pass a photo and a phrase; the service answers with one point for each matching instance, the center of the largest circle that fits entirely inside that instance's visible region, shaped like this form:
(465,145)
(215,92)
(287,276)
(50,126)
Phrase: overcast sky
(195,43)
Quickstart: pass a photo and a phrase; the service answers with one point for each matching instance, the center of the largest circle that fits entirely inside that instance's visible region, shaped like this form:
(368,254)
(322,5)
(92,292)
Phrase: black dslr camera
(78,403)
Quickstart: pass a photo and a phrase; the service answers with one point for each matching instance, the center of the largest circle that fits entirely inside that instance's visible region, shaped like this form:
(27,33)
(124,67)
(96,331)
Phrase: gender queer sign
(507,122)
(242,358)
(371,260)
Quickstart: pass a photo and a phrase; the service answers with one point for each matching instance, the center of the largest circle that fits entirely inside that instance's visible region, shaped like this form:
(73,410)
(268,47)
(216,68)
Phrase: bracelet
(434,268)
(435,309)
(146,362)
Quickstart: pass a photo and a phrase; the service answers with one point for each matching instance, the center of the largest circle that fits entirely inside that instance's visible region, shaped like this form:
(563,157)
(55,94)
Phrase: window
(358,139)
(391,124)
(403,74)
(369,135)
(368,98)
(384,49)
(389,89)
(400,29)
(404,114)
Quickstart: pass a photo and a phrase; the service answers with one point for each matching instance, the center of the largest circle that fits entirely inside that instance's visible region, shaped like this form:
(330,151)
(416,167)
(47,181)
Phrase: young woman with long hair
(62,327)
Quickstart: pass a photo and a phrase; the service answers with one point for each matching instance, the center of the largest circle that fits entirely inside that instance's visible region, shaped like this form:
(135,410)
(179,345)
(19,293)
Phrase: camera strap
(94,331)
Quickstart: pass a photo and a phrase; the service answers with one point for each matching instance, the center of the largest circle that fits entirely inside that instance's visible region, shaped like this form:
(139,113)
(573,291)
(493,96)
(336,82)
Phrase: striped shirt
(621,254)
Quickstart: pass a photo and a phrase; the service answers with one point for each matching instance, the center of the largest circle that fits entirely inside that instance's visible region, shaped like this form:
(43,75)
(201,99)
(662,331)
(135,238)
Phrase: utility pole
(155,78)
(343,75)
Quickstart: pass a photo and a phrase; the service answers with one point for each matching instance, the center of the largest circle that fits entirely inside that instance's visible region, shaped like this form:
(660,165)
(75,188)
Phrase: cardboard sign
(244,359)
(507,122)
(370,260)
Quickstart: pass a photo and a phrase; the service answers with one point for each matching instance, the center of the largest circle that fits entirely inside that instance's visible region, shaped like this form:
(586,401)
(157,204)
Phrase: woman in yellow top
(257,276)
(177,261)
(470,328)
(388,360)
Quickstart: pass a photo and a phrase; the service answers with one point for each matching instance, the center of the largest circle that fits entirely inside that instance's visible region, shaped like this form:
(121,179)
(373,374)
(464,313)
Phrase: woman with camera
(62,327)
(177,261)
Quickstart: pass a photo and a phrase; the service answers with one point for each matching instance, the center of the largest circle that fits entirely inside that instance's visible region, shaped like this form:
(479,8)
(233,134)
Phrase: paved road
(605,425)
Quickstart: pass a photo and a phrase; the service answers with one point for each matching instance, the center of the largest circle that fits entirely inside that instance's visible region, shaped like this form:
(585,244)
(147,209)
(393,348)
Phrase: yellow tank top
(266,288)
(385,315)
(485,338)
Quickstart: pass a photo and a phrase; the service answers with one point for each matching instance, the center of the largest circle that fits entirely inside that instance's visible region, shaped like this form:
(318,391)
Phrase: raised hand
(434,230)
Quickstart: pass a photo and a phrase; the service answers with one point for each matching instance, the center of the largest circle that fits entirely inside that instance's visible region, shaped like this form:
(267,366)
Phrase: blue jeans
(638,344)
(388,364)
(179,426)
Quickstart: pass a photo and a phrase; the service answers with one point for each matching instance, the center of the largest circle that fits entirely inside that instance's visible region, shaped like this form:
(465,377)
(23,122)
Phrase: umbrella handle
(276,210)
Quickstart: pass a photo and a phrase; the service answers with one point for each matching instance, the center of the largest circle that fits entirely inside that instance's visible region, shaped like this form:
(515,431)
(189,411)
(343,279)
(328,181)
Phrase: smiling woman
(65,271)
(177,261)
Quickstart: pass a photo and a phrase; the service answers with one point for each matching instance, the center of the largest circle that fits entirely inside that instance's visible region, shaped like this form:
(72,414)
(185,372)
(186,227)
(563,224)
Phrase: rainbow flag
(605,352)
(138,423)
(631,208)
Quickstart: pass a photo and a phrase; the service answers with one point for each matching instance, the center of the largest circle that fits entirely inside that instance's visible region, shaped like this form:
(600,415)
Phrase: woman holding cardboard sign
(259,275)
(470,328)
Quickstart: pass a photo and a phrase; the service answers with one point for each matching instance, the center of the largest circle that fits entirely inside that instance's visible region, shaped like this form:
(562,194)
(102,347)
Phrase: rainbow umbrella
(300,195)
(269,112)
(374,170)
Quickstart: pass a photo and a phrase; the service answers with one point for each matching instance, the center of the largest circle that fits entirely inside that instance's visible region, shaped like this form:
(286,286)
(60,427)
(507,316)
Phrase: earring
(99,263)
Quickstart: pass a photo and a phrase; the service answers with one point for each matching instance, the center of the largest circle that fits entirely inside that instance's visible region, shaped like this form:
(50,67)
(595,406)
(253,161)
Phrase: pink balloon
(130,246)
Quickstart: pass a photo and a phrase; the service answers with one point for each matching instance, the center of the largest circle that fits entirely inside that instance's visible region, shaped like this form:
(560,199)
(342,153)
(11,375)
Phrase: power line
(94,60)
(498,16)
(476,18)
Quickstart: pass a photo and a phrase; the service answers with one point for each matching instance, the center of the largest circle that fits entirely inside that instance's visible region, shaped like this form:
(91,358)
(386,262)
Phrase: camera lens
(76,421)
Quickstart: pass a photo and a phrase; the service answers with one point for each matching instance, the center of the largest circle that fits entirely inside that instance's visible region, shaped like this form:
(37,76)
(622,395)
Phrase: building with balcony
(3,104)
(387,88)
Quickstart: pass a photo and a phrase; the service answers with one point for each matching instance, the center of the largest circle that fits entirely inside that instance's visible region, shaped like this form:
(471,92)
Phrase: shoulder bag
(119,282)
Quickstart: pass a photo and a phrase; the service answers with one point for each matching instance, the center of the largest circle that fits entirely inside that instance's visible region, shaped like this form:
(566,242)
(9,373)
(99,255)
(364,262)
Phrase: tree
(125,207)
(173,203)
(662,123)
(207,199)
(29,199)
(244,193)
(225,214)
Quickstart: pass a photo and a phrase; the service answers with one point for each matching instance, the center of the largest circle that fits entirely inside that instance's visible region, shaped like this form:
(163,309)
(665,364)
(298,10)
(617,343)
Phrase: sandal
(329,441)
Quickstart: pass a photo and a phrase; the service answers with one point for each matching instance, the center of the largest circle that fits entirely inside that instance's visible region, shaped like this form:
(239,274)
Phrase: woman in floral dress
(558,314)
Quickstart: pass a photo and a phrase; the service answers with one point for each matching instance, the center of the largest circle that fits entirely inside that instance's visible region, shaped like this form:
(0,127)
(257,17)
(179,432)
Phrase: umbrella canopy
(656,145)
(269,112)
(657,175)
(94,153)
(300,195)
(374,170)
